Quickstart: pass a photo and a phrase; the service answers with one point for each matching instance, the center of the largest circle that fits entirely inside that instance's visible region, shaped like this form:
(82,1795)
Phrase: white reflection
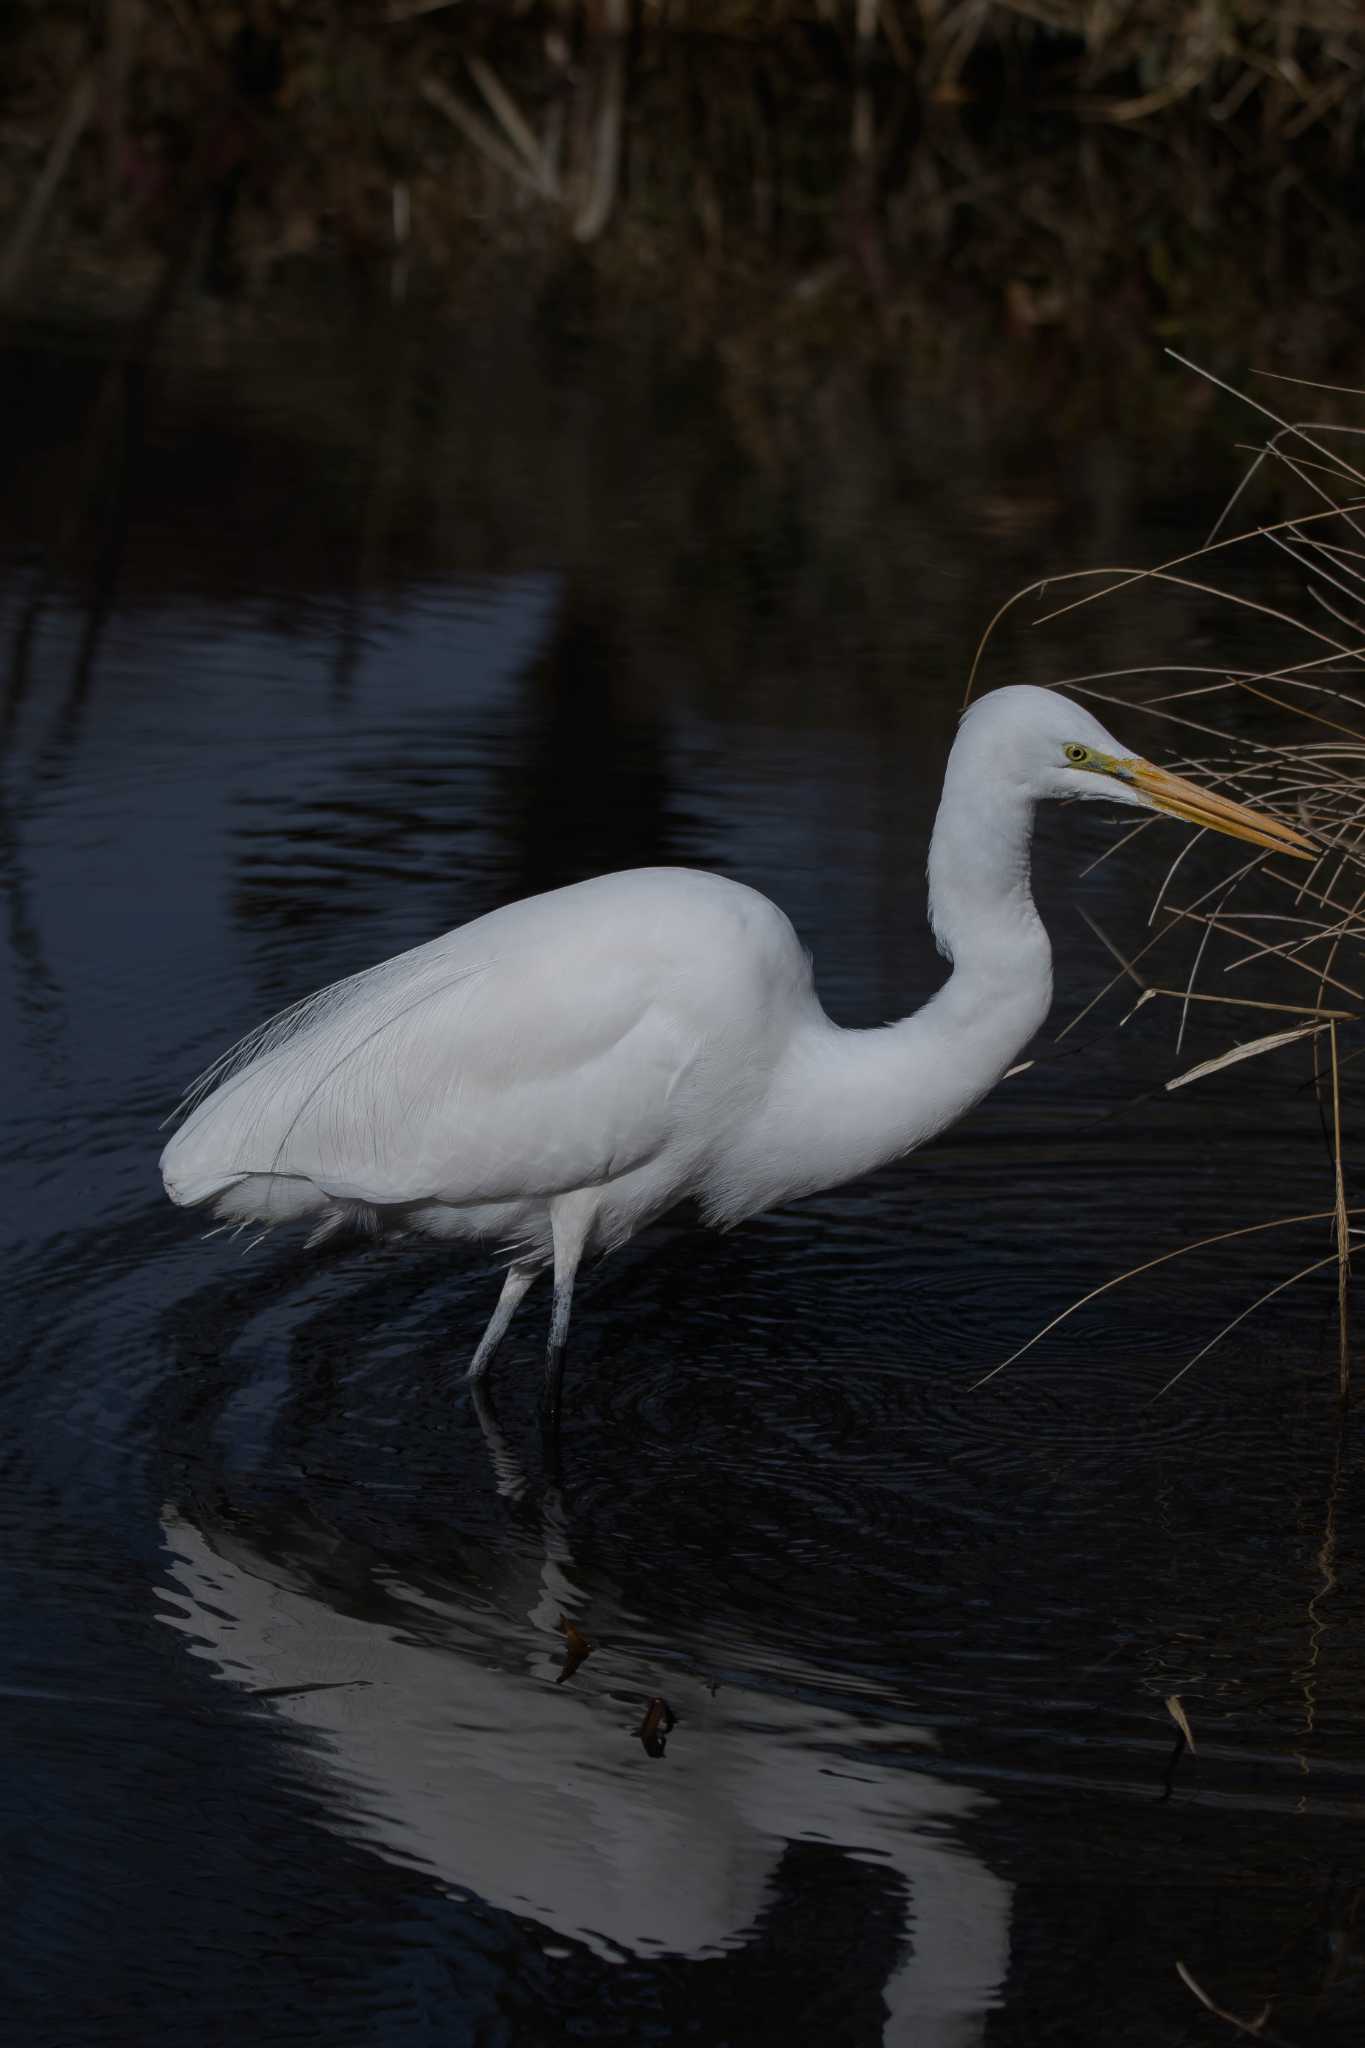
(445,1742)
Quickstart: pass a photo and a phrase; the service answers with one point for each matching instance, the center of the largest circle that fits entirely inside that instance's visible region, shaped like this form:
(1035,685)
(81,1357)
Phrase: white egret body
(556,1074)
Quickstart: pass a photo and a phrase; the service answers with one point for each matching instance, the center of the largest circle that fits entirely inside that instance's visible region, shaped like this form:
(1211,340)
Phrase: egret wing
(454,1073)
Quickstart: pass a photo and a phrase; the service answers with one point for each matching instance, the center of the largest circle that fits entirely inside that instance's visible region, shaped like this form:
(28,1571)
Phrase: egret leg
(514,1289)
(559,1337)
(569,1231)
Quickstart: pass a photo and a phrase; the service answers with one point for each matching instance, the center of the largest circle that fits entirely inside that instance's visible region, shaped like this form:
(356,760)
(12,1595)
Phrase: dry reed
(1303,932)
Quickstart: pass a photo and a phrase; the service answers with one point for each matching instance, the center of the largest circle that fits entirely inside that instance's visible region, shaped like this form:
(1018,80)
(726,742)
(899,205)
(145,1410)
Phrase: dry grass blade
(75,119)
(1127,577)
(1125,965)
(1221,924)
(514,125)
(477,131)
(1257,2028)
(1289,948)
(1195,966)
(1303,893)
(1298,1009)
(1315,1266)
(1249,1050)
(1342,1228)
(1148,1265)
(1308,472)
(1309,383)
(1181,995)
(1134,832)
(1287,426)
(1175,1708)
(1114,981)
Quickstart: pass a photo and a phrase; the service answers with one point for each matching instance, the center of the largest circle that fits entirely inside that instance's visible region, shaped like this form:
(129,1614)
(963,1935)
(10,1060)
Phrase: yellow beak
(1167,792)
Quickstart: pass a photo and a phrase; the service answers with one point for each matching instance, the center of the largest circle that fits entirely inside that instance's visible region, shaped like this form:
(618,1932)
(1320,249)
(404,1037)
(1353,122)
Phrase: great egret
(556,1074)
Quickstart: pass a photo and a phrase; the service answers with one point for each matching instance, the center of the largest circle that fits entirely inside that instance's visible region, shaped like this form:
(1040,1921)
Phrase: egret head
(1059,749)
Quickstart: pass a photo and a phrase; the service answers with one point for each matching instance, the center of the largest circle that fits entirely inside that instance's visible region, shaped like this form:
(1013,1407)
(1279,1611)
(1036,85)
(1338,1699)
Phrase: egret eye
(1076,754)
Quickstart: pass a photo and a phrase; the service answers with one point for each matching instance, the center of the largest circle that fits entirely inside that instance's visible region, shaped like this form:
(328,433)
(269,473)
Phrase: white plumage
(556,1074)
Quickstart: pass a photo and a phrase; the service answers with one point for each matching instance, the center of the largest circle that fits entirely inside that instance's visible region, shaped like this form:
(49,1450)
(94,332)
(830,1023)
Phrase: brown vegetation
(851,176)
(1276,719)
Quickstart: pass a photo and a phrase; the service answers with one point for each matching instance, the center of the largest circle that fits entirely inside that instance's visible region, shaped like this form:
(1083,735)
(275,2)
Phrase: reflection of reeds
(42,193)
(1303,933)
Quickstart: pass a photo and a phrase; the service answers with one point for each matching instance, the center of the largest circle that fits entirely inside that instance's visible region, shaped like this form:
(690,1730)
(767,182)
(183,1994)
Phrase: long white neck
(846,1102)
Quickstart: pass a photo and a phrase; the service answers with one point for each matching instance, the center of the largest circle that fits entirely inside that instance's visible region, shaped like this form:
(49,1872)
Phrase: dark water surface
(322,642)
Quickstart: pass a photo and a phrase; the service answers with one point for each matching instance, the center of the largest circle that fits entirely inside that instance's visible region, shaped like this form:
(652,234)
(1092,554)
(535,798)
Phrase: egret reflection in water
(445,1740)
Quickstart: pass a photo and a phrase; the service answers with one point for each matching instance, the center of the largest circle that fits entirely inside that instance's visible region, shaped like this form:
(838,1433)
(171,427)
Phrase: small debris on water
(576,1649)
(657,1726)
